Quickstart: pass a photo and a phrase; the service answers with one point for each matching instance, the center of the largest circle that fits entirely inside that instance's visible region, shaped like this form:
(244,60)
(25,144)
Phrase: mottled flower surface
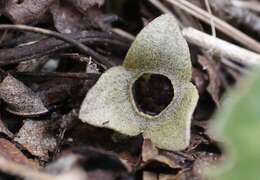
(159,50)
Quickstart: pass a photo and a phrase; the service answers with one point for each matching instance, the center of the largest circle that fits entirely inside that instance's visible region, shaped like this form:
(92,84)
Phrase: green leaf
(237,123)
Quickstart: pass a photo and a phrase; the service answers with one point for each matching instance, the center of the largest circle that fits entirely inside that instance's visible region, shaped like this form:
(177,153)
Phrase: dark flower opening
(152,93)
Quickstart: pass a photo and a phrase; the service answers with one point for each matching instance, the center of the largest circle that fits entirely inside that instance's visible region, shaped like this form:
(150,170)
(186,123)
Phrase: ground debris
(35,137)
(20,99)
(11,152)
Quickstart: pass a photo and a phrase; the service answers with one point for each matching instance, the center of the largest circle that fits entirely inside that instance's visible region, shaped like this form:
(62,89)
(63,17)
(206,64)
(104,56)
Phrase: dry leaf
(200,80)
(151,153)
(4,130)
(26,11)
(11,152)
(214,78)
(34,136)
(20,99)
(66,18)
(84,5)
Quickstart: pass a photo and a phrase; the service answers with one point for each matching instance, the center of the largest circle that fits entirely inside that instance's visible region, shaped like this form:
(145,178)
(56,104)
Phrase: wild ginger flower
(158,50)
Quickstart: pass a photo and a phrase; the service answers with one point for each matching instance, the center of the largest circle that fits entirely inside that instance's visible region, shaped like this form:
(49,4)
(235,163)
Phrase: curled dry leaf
(159,54)
(151,153)
(200,80)
(20,99)
(26,11)
(11,152)
(4,130)
(214,79)
(34,136)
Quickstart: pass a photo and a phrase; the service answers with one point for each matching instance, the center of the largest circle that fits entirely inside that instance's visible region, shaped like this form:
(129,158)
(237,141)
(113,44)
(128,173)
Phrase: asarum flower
(159,55)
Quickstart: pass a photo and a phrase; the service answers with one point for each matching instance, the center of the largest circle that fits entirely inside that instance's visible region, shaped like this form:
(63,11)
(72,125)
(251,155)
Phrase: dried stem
(84,76)
(221,47)
(220,24)
(51,45)
(84,49)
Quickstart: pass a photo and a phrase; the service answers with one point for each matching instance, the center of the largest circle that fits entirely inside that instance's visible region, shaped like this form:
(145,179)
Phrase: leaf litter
(54,138)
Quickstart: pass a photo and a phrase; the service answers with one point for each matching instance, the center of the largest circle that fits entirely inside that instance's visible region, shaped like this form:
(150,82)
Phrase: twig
(221,47)
(220,24)
(84,49)
(161,6)
(234,66)
(50,45)
(163,9)
(211,19)
(84,76)
(226,9)
(124,34)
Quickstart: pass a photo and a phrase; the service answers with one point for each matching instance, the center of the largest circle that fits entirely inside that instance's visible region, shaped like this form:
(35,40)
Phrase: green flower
(159,50)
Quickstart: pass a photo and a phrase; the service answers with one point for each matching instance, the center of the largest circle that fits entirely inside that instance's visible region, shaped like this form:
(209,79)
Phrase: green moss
(158,49)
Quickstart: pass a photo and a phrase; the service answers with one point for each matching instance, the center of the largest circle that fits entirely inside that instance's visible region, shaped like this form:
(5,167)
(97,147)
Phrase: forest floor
(45,76)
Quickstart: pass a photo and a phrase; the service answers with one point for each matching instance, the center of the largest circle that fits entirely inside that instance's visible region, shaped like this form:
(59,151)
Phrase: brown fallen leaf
(20,99)
(66,18)
(34,137)
(26,11)
(84,5)
(55,91)
(212,69)
(151,153)
(9,151)
(200,80)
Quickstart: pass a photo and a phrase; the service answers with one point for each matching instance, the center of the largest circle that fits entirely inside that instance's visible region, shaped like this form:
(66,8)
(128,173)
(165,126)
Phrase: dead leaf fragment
(4,130)
(214,78)
(11,152)
(20,99)
(151,153)
(26,11)
(34,136)
(66,18)
(83,5)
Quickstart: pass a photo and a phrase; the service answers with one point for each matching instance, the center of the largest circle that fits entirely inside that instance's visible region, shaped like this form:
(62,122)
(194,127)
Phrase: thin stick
(213,29)
(84,49)
(220,24)
(164,9)
(221,47)
(161,6)
(84,76)
(234,66)
(124,34)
